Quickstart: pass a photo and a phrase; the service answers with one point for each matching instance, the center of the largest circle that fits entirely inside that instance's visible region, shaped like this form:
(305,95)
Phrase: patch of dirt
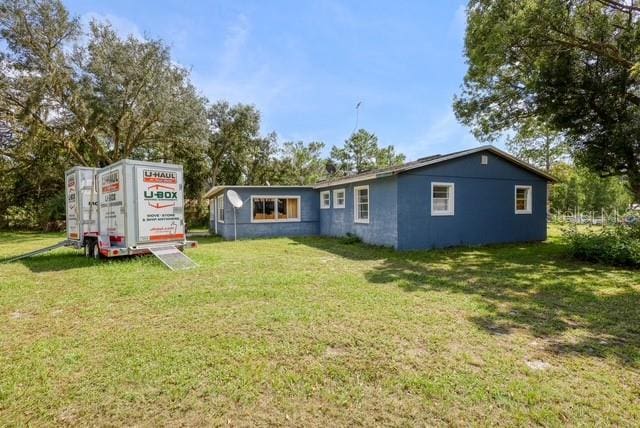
(537,365)
(18,315)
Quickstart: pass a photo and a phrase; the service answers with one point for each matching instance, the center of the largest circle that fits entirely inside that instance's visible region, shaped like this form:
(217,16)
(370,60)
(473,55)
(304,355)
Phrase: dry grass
(315,332)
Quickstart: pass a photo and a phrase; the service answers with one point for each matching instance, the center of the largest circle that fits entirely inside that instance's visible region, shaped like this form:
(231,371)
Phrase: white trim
(326,193)
(451,196)
(220,199)
(335,198)
(355,205)
(529,189)
(285,220)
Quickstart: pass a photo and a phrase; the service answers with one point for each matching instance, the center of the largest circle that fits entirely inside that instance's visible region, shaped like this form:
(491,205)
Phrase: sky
(306,64)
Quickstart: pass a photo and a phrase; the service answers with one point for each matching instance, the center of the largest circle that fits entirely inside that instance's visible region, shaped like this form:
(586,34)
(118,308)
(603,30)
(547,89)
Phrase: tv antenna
(355,128)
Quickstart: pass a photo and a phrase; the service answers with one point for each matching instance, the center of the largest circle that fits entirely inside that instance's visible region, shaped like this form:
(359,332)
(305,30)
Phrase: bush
(617,245)
(23,218)
(350,239)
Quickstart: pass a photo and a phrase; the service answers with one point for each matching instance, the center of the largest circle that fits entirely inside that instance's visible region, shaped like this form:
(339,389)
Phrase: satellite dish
(234,198)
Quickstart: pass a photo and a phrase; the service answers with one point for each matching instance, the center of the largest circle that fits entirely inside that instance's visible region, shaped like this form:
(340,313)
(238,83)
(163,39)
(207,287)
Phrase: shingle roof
(431,160)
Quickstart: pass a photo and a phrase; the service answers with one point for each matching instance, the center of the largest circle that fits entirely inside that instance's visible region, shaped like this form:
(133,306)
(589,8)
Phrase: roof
(432,160)
(217,189)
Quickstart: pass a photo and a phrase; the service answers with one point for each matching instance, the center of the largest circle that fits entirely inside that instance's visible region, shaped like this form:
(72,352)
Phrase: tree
(361,153)
(573,65)
(538,144)
(67,100)
(301,163)
(582,190)
(232,132)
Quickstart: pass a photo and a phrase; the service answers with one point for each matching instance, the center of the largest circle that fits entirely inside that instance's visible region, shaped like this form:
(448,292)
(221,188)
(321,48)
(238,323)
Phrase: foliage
(615,245)
(567,64)
(538,144)
(361,153)
(301,163)
(66,100)
(581,190)
(21,218)
(350,239)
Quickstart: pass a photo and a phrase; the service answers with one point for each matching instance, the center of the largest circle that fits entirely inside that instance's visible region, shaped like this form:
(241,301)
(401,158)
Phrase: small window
(325,199)
(361,204)
(484,159)
(523,199)
(273,208)
(338,198)
(442,199)
(220,204)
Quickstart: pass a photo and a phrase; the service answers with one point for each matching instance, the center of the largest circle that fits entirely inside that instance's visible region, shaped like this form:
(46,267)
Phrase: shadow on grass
(572,307)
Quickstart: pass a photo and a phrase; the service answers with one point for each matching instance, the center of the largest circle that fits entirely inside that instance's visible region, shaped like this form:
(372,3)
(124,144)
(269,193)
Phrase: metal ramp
(173,258)
(37,252)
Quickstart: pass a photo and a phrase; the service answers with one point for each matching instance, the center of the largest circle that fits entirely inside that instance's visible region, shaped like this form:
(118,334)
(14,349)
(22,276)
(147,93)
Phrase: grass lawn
(314,332)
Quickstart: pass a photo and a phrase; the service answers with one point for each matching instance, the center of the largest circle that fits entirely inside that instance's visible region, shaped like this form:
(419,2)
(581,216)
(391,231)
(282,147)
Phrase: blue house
(472,197)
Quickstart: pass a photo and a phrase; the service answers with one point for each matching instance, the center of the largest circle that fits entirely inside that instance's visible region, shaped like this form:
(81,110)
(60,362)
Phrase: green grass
(314,332)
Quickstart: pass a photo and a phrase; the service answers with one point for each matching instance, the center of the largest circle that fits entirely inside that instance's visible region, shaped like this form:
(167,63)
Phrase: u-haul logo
(111,182)
(156,176)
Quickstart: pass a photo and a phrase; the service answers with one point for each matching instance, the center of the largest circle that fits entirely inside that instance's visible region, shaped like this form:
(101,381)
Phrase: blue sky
(305,64)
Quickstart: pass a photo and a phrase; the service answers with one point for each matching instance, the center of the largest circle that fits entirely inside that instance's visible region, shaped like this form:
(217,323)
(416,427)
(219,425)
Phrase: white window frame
(356,205)
(220,205)
(529,189)
(336,204)
(452,199)
(276,220)
(326,193)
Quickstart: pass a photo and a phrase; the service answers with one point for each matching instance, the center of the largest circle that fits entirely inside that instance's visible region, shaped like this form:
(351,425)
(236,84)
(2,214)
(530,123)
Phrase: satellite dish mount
(236,202)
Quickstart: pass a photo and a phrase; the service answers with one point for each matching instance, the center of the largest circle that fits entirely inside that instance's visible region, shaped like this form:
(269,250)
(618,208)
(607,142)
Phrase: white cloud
(443,134)
(122,26)
(241,75)
(458,24)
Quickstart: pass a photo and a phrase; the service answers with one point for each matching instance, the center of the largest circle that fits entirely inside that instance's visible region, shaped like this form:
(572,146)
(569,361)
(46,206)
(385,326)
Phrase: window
(338,198)
(484,159)
(361,204)
(523,199)
(325,199)
(275,208)
(442,199)
(220,206)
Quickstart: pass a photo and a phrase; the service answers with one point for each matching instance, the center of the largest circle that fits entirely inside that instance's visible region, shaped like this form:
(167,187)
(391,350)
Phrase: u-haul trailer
(129,207)
(81,206)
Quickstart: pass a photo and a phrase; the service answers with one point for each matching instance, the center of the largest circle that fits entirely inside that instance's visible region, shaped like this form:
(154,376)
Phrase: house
(472,197)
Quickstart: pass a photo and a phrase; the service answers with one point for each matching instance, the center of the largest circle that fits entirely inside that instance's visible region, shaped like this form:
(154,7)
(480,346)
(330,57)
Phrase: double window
(442,199)
(339,198)
(220,207)
(523,199)
(275,208)
(325,199)
(361,204)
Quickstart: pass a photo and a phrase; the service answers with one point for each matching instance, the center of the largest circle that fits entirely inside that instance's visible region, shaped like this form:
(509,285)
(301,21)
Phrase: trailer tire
(86,250)
(96,251)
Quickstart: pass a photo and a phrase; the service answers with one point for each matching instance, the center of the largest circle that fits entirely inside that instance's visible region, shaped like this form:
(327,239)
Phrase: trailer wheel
(85,249)
(96,251)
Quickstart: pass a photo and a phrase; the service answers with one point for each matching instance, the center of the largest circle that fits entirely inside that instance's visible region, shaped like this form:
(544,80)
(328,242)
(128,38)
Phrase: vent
(484,159)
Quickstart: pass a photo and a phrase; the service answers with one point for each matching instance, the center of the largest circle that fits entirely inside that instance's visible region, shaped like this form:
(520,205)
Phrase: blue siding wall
(484,204)
(383,213)
(309,214)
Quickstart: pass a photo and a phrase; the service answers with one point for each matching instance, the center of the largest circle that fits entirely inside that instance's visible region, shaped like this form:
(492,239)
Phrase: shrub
(25,218)
(350,239)
(617,245)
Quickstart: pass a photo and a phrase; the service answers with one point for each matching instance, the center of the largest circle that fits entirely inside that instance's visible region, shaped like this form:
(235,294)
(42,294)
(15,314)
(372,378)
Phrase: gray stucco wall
(309,216)
(381,229)
(484,205)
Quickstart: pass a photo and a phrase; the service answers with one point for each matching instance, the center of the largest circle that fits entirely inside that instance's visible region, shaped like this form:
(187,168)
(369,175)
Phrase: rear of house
(474,197)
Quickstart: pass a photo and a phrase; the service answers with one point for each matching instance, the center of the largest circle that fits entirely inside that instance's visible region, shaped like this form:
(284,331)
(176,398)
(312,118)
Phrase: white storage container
(81,204)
